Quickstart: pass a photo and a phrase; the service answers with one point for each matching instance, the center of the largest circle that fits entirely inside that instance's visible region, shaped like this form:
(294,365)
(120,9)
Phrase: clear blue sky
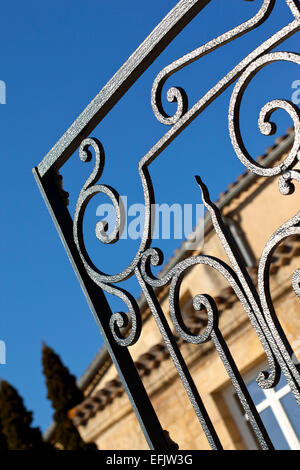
(55,56)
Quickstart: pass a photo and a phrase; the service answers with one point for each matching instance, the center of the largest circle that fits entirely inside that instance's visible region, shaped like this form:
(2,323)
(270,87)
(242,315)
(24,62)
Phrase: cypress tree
(17,432)
(64,395)
(3,443)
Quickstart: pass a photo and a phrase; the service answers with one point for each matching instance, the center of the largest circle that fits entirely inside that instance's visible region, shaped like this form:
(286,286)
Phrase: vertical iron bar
(180,364)
(151,427)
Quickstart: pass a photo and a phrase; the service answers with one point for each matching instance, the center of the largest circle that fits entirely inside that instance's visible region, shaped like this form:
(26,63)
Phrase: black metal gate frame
(256,302)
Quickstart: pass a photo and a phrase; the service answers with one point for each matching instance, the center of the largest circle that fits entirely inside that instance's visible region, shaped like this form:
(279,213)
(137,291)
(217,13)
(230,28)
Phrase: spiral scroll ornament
(119,321)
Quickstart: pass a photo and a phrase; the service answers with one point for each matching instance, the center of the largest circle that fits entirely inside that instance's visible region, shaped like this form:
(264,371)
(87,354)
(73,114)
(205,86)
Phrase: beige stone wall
(116,427)
(261,210)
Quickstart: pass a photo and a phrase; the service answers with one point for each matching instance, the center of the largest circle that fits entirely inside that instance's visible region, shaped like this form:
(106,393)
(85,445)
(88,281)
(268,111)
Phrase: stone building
(253,209)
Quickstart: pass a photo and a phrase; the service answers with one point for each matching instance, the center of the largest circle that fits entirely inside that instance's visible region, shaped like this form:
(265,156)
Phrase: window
(278,411)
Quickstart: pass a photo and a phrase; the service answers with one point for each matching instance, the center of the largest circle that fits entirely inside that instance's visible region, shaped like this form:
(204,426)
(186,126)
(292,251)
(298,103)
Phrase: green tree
(3,443)
(64,395)
(16,429)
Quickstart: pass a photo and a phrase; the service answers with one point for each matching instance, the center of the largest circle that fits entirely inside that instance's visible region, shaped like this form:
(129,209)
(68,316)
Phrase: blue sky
(55,57)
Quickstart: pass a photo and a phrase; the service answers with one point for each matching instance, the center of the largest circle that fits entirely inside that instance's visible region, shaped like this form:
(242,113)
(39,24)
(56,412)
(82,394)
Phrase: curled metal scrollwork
(177,94)
(285,182)
(130,322)
(266,379)
(296,282)
(89,190)
(290,368)
(211,331)
(266,127)
(287,176)
(118,320)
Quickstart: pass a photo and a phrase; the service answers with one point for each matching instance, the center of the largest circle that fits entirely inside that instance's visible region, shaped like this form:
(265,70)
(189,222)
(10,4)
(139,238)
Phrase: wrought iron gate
(256,302)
